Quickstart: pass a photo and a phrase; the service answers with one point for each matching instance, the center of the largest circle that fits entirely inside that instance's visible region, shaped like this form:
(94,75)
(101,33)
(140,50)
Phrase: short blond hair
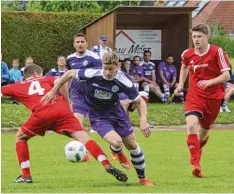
(204,28)
(110,58)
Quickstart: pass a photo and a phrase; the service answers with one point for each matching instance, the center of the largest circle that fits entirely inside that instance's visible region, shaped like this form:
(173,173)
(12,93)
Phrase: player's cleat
(119,175)
(226,109)
(146,182)
(21,179)
(86,158)
(114,156)
(197,171)
(124,162)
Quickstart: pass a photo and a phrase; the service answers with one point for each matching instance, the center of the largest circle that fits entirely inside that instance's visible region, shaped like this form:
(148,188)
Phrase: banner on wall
(130,43)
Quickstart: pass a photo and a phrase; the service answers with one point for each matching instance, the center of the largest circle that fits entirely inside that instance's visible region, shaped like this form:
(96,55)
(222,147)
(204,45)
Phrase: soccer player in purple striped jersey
(106,114)
(81,59)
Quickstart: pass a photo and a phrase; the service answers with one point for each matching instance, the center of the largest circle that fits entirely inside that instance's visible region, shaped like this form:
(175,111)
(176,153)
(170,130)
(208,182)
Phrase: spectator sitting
(28,61)
(15,73)
(60,70)
(149,82)
(126,65)
(5,76)
(167,77)
(136,71)
(101,48)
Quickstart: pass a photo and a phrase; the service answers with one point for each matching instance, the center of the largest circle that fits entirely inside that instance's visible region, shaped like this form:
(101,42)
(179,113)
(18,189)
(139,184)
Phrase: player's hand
(50,96)
(204,83)
(178,90)
(144,127)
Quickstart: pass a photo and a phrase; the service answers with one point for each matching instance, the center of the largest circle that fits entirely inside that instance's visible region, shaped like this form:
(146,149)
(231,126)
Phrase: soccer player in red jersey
(55,116)
(208,69)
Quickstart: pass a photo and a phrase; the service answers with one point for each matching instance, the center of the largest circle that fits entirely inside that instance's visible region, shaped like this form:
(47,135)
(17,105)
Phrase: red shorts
(208,108)
(57,117)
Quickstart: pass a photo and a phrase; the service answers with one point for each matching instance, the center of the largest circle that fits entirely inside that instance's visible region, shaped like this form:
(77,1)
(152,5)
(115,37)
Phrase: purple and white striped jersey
(148,69)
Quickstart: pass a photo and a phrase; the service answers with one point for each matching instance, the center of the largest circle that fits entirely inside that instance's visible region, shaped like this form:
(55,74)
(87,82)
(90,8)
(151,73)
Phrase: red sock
(193,146)
(23,157)
(95,150)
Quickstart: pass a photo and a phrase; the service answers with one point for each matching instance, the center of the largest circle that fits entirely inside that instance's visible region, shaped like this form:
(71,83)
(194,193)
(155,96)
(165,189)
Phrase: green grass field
(159,114)
(166,159)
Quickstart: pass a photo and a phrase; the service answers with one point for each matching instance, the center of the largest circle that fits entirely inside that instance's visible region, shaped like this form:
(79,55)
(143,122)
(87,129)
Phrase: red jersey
(29,92)
(206,66)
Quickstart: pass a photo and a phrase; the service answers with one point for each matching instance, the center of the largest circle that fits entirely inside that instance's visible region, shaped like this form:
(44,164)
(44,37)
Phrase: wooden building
(171,24)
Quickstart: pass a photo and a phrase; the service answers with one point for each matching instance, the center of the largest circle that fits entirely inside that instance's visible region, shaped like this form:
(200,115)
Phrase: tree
(14,5)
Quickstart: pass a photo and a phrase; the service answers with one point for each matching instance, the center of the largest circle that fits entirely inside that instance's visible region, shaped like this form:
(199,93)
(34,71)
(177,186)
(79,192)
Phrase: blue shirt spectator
(15,73)
(5,76)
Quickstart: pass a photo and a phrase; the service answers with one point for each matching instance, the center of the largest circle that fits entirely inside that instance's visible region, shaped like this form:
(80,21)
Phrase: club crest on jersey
(85,63)
(115,88)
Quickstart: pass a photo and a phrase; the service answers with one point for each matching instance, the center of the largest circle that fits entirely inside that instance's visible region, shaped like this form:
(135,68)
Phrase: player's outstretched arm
(144,127)
(183,75)
(59,83)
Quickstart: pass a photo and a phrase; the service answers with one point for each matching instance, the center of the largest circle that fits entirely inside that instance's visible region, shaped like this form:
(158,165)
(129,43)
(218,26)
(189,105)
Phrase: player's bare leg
(116,146)
(157,91)
(137,159)
(125,104)
(203,139)
(192,124)
(181,94)
(23,157)
(80,117)
(95,150)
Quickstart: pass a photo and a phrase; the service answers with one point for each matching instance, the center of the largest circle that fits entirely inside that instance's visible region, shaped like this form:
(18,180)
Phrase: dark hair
(136,57)
(79,35)
(127,59)
(31,69)
(169,56)
(147,52)
(60,56)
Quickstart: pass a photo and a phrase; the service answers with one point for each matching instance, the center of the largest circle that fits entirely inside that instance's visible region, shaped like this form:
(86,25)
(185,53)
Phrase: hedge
(42,35)
(227,43)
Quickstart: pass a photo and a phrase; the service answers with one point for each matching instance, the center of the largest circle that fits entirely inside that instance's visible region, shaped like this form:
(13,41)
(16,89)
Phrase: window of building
(175,3)
(180,3)
(171,3)
(200,5)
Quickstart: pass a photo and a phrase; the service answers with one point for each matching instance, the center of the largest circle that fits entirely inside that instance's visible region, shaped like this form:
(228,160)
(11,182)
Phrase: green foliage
(109,5)
(218,37)
(13,5)
(43,36)
(227,43)
(66,6)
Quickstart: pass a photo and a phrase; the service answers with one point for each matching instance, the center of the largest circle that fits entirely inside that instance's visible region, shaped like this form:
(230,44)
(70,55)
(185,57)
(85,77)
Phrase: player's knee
(20,136)
(192,127)
(117,143)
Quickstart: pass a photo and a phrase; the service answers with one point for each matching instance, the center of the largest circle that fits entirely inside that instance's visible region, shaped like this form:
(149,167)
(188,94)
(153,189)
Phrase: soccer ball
(75,151)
